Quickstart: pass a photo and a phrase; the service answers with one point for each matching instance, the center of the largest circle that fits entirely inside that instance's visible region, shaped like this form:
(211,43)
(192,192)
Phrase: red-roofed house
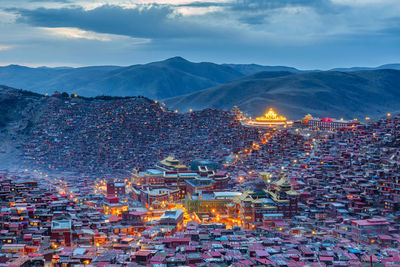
(367,231)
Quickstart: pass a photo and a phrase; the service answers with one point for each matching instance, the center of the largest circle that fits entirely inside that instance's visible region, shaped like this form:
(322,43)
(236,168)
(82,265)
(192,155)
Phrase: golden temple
(270,118)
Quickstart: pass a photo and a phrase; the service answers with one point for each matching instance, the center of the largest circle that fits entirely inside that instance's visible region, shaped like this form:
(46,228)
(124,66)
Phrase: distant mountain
(157,80)
(327,93)
(248,69)
(390,66)
(171,77)
(382,67)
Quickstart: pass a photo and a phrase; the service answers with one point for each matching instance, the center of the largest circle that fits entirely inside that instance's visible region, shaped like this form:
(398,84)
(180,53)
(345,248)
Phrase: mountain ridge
(158,80)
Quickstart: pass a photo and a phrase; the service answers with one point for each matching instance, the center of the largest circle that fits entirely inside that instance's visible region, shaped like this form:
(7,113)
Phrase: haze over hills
(328,93)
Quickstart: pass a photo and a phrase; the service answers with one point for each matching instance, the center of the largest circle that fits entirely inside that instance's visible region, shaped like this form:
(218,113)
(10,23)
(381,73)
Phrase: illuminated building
(210,202)
(216,181)
(284,197)
(199,184)
(112,206)
(158,196)
(115,189)
(270,119)
(13,248)
(251,206)
(172,218)
(327,123)
(148,177)
(278,202)
(186,181)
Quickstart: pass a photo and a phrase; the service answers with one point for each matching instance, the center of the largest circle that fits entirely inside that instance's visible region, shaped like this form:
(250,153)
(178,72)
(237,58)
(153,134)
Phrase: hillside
(329,93)
(109,135)
(18,109)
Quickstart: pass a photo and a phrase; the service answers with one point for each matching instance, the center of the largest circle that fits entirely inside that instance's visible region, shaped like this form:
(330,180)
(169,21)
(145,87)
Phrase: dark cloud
(253,19)
(257,12)
(392,28)
(148,21)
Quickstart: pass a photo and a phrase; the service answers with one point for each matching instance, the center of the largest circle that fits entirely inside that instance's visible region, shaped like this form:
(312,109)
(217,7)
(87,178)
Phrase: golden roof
(308,116)
(171,161)
(276,199)
(272,116)
(282,182)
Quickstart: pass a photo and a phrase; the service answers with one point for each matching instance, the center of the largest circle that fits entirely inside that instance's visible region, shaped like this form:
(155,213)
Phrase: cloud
(276,20)
(145,21)
(74,33)
(5,47)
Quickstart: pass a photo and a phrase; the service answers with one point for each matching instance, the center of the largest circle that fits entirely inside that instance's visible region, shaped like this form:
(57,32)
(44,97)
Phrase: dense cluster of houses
(231,196)
(66,225)
(111,137)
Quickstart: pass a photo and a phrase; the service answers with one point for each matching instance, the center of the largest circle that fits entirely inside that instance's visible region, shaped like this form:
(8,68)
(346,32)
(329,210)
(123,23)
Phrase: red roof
(265,261)
(262,253)
(112,199)
(368,222)
(177,239)
(144,253)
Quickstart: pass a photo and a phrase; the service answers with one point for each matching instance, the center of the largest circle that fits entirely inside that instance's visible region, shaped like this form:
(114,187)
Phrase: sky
(307,34)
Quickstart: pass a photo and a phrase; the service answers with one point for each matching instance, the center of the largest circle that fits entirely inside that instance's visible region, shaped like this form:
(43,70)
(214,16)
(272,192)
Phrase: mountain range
(157,80)
(184,85)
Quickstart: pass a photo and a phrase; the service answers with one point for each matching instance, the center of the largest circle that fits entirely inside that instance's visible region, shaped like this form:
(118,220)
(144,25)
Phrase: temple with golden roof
(270,119)
(170,163)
